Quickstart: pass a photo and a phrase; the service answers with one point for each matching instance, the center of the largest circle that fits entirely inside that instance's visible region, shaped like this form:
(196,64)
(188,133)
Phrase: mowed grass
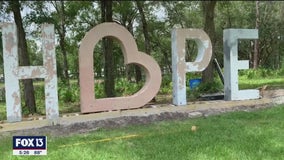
(272,83)
(237,136)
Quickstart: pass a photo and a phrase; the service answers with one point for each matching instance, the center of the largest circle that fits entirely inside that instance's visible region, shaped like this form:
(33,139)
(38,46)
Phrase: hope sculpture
(14,72)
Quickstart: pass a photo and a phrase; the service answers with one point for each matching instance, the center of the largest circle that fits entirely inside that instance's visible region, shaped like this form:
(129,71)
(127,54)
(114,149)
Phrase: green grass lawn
(273,83)
(238,135)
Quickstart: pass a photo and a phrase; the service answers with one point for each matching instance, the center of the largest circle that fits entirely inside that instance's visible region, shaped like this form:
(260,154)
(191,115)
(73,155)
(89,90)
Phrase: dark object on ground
(214,96)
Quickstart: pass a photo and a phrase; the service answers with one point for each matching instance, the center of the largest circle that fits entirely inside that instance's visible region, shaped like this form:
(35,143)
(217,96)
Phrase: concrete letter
(232,64)
(131,55)
(180,67)
(14,72)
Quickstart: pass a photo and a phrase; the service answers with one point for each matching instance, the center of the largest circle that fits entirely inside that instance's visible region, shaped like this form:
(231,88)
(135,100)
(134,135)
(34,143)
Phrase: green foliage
(204,88)
(261,73)
(280,72)
(40,97)
(256,78)
(68,94)
(194,75)
(213,87)
(2,93)
(192,94)
(3,111)
(124,87)
(99,90)
(166,85)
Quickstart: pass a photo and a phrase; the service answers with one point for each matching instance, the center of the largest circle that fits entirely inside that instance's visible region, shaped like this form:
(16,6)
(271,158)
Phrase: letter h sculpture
(13,72)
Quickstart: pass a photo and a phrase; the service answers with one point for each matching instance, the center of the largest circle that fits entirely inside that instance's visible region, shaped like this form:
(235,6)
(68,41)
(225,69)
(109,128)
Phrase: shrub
(99,90)
(68,94)
(123,87)
(204,88)
(212,87)
(166,85)
(261,73)
(2,94)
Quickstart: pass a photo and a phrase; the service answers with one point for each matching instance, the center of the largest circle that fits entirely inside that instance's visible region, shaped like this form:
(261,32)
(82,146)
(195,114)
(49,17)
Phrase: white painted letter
(180,67)
(232,64)
(14,72)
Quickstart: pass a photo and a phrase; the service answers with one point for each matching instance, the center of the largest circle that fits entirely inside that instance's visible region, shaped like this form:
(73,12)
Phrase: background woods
(150,22)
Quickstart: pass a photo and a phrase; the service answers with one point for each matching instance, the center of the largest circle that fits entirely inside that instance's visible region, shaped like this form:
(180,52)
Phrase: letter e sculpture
(232,64)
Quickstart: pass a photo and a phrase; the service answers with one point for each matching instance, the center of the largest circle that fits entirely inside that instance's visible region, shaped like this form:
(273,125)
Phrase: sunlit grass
(238,135)
(2,111)
(273,83)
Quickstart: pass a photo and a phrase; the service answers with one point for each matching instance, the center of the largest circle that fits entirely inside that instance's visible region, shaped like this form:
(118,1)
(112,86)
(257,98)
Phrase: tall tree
(61,29)
(106,11)
(256,42)
(140,6)
(147,46)
(125,13)
(208,8)
(65,17)
(29,97)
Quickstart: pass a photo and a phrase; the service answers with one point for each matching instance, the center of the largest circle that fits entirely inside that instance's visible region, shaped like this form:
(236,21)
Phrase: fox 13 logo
(29,145)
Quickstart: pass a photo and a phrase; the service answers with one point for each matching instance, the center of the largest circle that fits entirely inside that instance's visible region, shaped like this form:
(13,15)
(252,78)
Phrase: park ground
(235,135)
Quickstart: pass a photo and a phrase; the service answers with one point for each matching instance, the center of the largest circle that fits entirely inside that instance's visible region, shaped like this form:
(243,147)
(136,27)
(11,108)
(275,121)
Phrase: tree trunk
(59,6)
(128,68)
(256,42)
(281,30)
(62,43)
(24,57)
(208,8)
(147,45)
(106,9)
(144,27)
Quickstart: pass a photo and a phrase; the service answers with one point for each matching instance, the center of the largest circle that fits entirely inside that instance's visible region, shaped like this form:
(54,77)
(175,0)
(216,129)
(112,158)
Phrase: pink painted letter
(131,55)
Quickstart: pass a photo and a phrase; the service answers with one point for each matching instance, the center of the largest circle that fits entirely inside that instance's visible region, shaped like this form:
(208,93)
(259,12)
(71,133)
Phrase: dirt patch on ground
(273,93)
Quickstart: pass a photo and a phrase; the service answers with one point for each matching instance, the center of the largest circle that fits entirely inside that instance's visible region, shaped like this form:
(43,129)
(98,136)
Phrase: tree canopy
(151,23)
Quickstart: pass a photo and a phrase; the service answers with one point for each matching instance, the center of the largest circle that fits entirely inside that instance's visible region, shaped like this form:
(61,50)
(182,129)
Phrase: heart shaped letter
(131,55)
